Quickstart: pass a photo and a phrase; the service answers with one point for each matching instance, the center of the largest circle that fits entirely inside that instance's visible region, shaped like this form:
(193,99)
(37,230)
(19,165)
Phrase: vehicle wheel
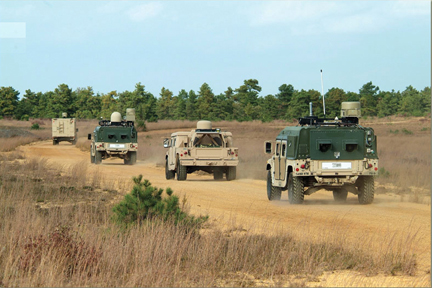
(231,173)
(169,174)
(55,142)
(217,174)
(74,142)
(340,195)
(273,193)
(181,171)
(126,161)
(366,189)
(133,157)
(98,157)
(295,189)
(92,158)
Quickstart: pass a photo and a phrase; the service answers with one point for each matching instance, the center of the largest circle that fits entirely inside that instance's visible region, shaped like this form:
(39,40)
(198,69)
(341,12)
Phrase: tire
(133,157)
(181,171)
(169,174)
(92,158)
(217,174)
(55,142)
(98,157)
(74,142)
(273,193)
(231,173)
(366,189)
(340,195)
(295,189)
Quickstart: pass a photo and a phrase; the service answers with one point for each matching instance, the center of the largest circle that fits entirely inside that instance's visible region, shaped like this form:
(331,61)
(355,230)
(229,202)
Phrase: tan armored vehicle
(64,129)
(204,149)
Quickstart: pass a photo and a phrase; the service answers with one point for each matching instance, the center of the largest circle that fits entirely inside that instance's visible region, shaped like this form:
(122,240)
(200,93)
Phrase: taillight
(297,169)
(302,166)
(376,168)
(185,153)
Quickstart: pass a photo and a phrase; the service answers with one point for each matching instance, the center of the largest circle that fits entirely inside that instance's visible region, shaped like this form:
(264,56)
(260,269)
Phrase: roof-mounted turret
(350,113)
(116,119)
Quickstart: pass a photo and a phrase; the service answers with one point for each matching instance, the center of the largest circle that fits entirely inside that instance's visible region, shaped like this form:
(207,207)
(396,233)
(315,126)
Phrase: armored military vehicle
(204,149)
(338,155)
(64,129)
(115,138)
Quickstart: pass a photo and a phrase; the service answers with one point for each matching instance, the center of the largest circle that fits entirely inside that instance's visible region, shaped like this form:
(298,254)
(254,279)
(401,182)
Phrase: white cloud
(411,8)
(112,7)
(145,11)
(314,17)
(290,11)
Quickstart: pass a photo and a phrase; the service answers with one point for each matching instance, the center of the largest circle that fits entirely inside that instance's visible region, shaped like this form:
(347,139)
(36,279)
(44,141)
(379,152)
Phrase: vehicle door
(172,151)
(280,159)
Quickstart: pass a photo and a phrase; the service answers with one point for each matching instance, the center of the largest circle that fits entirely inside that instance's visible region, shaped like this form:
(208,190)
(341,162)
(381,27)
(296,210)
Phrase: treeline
(242,104)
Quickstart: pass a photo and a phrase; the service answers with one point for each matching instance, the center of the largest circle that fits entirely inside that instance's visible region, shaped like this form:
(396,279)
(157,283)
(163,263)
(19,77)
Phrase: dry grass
(55,227)
(56,231)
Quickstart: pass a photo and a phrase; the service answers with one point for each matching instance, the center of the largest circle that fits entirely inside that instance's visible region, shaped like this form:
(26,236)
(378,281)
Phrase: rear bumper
(208,162)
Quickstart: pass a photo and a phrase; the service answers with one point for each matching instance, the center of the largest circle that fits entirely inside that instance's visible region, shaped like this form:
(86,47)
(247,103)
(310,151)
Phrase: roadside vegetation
(57,229)
(59,226)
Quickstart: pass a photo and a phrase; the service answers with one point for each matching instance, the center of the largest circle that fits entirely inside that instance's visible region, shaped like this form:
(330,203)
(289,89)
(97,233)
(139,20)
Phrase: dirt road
(243,203)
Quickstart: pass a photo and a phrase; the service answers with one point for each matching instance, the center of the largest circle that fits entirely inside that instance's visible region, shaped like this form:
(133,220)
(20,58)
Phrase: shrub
(383,173)
(25,117)
(67,250)
(35,126)
(406,131)
(141,125)
(395,131)
(145,203)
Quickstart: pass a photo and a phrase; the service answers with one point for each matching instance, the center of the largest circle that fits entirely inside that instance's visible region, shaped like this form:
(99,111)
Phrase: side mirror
(76,129)
(166,143)
(268,149)
(89,136)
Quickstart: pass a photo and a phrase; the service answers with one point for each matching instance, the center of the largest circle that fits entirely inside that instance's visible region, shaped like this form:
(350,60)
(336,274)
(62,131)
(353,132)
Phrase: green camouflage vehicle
(338,155)
(115,138)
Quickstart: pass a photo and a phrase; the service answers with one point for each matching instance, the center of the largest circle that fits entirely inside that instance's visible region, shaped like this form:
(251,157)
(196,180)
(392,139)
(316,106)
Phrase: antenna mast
(322,92)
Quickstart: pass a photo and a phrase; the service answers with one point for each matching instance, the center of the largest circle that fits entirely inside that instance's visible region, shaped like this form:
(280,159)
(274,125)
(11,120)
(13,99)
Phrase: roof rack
(314,120)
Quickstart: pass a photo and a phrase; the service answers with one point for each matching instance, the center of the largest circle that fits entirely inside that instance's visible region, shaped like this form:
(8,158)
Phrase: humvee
(338,155)
(115,138)
(64,129)
(204,149)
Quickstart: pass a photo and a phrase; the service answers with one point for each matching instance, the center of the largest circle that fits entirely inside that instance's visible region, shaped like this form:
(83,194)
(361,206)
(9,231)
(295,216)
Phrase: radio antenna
(322,92)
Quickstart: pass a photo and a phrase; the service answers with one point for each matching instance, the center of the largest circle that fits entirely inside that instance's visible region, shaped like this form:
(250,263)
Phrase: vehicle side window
(283,150)
(277,149)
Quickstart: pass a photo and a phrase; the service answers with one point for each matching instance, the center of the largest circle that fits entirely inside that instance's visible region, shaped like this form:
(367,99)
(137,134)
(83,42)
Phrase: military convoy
(336,154)
(115,138)
(64,129)
(202,149)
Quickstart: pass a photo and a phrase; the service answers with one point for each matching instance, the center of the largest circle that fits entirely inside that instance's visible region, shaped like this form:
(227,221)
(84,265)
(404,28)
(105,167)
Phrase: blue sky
(112,45)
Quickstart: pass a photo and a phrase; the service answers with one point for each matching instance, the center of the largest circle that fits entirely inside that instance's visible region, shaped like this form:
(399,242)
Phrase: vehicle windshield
(207,140)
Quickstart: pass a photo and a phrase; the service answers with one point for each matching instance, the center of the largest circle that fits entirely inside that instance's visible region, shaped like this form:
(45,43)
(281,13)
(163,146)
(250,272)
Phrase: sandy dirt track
(244,203)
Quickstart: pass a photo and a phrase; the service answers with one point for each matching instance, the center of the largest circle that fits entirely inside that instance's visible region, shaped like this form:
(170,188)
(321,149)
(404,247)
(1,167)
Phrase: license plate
(117,145)
(336,165)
